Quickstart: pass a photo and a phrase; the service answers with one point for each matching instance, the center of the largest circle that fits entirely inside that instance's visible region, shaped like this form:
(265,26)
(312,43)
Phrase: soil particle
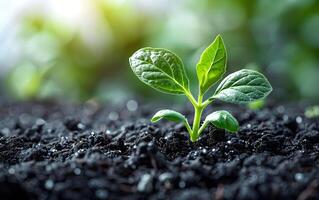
(55,151)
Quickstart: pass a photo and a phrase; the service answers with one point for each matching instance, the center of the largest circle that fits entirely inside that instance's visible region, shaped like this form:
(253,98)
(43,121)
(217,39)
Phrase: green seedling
(164,71)
(312,111)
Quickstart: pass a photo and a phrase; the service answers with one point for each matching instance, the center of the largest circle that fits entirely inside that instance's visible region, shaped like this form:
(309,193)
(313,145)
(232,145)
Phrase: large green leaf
(212,64)
(160,69)
(170,115)
(243,86)
(222,119)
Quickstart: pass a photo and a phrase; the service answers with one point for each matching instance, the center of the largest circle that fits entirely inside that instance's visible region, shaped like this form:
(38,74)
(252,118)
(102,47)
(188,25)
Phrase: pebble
(5,132)
(299,176)
(165,177)
(40,122)
(11,170)
(113,116)
(132,105)
(299,120)
(204,151)
(145,184)
(285,118)
(81,126)
(77,171)
(280,109)
(101,194)
(182,184)
(49,184)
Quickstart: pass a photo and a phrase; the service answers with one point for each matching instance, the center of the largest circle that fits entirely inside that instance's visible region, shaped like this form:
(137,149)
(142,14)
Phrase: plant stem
(196,123)
(207,102)
(188,127)
(201,129)
(191,98)
(197,118)
(199,106)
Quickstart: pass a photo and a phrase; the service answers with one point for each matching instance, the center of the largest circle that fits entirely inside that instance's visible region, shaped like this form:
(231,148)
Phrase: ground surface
(50,151)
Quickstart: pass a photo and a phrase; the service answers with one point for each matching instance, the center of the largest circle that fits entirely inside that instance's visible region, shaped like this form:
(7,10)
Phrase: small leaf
(170,115)
(212,64)
(160,69)
(243,86)
(224,120)
(257,105)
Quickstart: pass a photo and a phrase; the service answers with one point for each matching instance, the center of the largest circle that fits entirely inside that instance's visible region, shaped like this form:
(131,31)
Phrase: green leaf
(170,115)
(224,120)
(160,69)
(212,64)
(256,105)
(243,86)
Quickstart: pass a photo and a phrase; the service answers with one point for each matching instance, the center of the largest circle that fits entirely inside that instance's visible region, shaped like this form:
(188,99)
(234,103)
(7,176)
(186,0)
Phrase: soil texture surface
(94,151)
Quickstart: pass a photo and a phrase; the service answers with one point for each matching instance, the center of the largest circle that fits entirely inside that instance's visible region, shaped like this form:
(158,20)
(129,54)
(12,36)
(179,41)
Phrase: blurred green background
(76,50)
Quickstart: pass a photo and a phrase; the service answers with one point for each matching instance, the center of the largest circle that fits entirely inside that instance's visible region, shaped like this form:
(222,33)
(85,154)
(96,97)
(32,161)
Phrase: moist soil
(94,151)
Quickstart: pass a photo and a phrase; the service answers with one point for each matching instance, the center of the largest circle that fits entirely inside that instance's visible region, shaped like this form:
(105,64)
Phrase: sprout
(164,71)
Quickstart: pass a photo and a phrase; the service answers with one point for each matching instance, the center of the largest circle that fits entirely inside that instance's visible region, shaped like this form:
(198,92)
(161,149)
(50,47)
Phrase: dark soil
(53,151)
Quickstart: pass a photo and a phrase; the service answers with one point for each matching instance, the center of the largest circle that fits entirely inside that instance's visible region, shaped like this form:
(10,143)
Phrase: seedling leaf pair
(164,71)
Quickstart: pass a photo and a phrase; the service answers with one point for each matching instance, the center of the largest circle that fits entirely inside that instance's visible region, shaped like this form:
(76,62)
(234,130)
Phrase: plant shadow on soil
(55,151)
